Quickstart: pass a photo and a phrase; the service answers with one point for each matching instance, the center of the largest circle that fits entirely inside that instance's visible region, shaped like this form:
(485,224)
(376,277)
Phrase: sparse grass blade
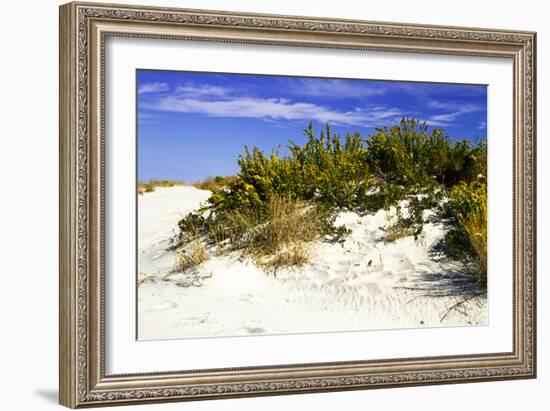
(191,255)
(150,186)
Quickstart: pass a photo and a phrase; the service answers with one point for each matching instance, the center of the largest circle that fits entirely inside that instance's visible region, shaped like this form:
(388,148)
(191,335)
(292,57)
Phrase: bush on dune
(325,169)
(415,161)
(276,204)
(332,171)
(274,237)
(407,154)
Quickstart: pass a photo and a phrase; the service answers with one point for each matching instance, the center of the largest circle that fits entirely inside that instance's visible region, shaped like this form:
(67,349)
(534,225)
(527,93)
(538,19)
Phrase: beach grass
(214,183)
(467,240)
(191,254)
(151,185)
(475,225)
(281,240)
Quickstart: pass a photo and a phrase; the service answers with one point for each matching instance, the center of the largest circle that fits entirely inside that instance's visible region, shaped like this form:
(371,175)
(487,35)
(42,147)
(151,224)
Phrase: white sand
(363,283)
(158,216)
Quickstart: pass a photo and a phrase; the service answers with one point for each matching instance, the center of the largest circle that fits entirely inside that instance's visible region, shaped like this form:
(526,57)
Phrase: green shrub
(332,171)
(192,223)
(411,224)
(373,202)
(252,211)
(407,154)
(326,169)
(345,172)
(464,198)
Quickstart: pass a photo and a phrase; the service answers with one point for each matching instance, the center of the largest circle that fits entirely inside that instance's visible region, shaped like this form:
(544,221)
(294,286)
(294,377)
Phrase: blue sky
(194,125)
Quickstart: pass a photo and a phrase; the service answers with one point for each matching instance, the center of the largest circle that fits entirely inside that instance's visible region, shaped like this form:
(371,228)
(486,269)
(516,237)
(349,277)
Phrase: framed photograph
(259,204)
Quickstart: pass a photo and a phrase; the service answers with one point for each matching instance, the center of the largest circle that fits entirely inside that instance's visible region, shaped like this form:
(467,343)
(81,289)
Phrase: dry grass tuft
(145,278)
(289,222)
(397,231)
(191,255)
(281,240)
(214,183)
(145,188)
(150,186)
(296,256)
(208,184)
(396,227)
(475,225)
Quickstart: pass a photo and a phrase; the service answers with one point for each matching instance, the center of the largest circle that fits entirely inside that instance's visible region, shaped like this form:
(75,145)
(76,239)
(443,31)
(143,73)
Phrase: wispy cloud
(214,100)
(146,118)
(445,118)
(454,109)
(153,88)
(202,90)
(333,88)
(455,106)
(271,108)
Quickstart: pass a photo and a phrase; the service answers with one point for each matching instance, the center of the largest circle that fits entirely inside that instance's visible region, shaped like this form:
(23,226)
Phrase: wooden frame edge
(77,390)
(67,195)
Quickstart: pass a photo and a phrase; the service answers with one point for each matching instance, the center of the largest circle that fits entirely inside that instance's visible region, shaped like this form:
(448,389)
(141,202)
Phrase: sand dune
(363,283)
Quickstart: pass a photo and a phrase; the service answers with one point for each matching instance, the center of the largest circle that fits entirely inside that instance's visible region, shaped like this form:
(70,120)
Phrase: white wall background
(28,205)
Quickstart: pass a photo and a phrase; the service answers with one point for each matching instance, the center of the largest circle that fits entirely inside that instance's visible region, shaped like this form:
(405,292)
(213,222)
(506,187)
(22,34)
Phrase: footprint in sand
(255,330)
(373,288)
(156,256)
(165,305)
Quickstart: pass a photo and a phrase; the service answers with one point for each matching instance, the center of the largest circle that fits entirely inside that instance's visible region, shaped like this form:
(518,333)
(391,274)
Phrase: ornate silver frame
(83,30)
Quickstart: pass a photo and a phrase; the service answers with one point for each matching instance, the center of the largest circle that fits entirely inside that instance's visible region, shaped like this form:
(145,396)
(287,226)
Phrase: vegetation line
(151,185)
(277,204)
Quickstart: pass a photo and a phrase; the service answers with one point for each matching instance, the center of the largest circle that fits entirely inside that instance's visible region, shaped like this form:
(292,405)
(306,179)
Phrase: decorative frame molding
(83,30)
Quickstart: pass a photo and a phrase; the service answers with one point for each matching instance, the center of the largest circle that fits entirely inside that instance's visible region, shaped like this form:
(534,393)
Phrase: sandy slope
(158,216)
(363,283)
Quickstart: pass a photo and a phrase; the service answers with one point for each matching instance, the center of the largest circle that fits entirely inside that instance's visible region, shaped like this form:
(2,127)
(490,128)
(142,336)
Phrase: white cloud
(220,101)
(456,110)
(271,108)
(146,118)
(334,88)
(455,106)
(153,88)
(202,90)
(445,118)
